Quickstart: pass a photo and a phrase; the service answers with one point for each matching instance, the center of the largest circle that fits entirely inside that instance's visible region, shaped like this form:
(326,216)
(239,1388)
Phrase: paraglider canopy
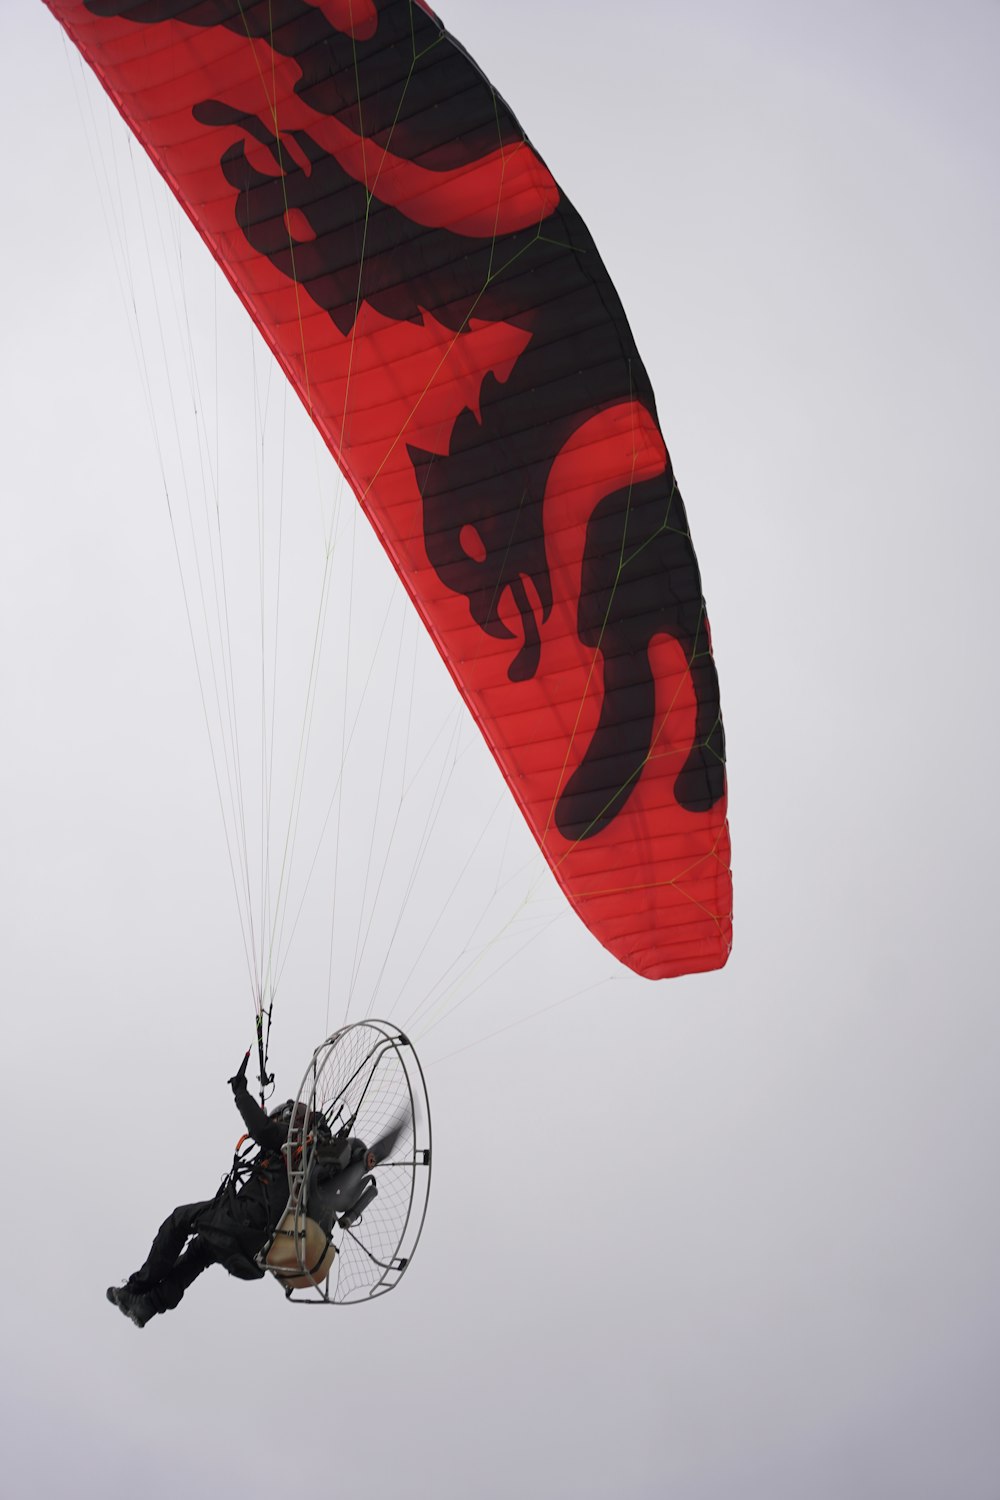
(444,314)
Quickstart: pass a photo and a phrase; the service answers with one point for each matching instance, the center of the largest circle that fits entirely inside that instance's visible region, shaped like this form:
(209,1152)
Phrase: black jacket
(244,1212)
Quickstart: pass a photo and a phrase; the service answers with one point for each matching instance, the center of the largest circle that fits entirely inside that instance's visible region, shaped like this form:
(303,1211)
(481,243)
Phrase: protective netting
(366,1082)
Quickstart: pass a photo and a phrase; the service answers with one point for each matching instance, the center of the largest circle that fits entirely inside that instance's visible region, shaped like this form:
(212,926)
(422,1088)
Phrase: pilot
(229,1229)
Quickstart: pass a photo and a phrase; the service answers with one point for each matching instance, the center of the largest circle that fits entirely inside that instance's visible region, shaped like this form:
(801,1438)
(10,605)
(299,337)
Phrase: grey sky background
(733,1234)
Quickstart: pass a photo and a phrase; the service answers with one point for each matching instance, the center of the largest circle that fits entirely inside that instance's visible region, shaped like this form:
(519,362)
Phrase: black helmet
(283,1111)
(292,1114)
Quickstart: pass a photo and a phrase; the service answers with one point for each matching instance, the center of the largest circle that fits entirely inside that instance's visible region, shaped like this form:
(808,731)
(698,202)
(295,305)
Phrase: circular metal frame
(364,1082)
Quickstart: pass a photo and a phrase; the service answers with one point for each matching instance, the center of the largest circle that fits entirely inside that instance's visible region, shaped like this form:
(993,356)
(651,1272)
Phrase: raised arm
(265,1131)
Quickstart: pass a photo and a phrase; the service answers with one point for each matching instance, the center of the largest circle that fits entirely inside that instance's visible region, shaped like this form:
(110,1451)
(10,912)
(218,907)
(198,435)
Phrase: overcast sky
(736,1234)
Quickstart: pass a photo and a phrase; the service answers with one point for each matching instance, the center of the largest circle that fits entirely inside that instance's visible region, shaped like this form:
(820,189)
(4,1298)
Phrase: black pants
(169,1268)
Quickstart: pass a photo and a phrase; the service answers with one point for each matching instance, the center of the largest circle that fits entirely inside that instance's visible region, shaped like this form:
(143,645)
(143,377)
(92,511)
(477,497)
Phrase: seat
(301,1254)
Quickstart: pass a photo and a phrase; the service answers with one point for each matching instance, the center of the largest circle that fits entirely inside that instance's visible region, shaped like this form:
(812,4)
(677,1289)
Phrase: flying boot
(135,1305)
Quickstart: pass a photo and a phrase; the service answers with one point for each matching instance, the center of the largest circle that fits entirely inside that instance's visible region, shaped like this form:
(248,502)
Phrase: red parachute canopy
(443,313)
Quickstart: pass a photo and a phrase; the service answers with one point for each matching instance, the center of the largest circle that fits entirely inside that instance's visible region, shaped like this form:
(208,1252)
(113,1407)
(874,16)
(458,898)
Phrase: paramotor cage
(359,1166)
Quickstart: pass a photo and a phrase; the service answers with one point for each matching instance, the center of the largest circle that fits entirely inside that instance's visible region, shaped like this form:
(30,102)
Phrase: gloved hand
(239,1078)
